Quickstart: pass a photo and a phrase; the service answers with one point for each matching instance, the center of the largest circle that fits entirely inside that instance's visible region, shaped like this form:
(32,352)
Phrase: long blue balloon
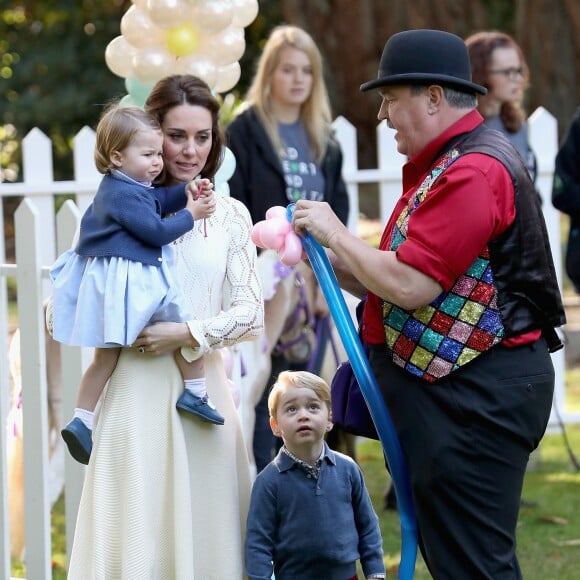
(373,398)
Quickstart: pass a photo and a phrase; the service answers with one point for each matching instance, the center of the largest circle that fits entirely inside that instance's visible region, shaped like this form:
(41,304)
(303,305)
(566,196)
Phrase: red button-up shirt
(469,205)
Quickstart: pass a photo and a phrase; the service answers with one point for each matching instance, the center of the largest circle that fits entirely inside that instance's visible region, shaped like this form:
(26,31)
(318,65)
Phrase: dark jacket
(124,220)
(566,195)
(566,190)
(521,258)
(258,180)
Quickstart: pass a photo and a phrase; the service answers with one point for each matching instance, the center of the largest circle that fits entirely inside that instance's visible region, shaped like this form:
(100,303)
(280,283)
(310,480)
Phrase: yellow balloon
(182,40)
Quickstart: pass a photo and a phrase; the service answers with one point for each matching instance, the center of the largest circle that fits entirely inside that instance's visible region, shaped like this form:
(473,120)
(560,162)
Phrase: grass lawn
(548,533)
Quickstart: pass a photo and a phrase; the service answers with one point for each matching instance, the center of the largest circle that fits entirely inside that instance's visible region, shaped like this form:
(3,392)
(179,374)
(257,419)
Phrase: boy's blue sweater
(306,528)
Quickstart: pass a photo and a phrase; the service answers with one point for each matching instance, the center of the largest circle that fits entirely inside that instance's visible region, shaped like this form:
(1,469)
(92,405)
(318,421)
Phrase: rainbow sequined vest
(435,340)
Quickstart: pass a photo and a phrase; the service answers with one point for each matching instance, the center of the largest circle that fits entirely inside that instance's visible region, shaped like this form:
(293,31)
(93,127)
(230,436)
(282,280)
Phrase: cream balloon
(139,31)
(119,57)
(140,4)
(227,77)
(225,171)
(199,67)
(245,12)
(228,45)
(213,15)
(228,165)
(152,64)
(167,13)
(204,49)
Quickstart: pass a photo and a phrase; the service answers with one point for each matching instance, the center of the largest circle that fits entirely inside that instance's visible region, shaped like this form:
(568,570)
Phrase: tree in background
(54,76)
(56,67)
(52,68)
(351,36)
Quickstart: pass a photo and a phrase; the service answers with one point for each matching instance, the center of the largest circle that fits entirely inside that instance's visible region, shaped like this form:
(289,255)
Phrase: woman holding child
(166,496)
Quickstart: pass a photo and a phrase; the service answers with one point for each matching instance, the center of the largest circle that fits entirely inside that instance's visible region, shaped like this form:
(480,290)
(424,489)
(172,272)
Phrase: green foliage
(54,75)
(53,68)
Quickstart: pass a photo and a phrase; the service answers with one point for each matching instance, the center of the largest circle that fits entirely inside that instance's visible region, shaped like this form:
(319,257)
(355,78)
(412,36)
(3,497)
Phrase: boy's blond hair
(297,379)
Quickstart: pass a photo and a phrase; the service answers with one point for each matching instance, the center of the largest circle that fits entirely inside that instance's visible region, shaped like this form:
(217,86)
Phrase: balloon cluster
(276,233)
(204,38)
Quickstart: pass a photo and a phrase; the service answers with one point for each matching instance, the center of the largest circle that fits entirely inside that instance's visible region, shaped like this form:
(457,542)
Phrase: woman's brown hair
(175,90)
(481,46)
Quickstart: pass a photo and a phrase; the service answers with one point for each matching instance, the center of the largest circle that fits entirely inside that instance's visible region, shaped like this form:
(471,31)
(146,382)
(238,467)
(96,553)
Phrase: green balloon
(137,90)
(128,101)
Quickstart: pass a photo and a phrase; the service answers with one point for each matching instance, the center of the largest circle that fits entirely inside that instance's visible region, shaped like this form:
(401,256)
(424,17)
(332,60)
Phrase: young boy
(310,515)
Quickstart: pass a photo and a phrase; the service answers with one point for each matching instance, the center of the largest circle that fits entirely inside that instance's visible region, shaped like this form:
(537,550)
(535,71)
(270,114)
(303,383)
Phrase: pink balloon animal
(276,233)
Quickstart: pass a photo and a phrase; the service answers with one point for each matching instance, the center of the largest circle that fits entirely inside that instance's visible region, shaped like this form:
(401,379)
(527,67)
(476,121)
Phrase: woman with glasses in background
(498,64)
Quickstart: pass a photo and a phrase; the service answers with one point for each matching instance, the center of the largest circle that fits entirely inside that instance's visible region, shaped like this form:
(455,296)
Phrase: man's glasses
(511,73)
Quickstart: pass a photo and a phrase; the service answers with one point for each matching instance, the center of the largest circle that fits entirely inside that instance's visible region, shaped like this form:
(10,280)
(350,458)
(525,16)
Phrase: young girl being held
(118,278)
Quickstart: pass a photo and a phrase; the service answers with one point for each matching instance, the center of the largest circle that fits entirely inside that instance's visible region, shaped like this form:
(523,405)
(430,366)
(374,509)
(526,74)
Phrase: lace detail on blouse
(218,276)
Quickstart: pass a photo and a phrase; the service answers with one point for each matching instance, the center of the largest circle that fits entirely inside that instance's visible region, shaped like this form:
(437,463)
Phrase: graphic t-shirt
(304,180)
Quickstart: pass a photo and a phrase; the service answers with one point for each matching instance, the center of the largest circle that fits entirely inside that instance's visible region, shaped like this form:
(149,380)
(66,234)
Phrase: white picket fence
(41,236)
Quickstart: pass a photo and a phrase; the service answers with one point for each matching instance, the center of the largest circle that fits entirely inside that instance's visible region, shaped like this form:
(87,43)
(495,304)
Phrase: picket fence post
(390,163)
(543,137)
(346,135)
(4,410)
(37,169)
(29,254)
(84,167)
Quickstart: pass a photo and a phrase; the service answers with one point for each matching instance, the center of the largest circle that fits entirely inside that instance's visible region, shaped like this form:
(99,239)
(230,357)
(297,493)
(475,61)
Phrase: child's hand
(200,187)
(201,200)
(200,208)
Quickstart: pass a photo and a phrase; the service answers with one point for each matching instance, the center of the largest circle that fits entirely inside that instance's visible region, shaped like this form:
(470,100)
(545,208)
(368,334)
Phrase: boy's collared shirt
(313,470)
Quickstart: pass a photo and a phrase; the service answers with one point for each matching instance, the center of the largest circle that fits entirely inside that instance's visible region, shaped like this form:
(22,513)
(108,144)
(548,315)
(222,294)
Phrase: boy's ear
(274,427)
(330,424)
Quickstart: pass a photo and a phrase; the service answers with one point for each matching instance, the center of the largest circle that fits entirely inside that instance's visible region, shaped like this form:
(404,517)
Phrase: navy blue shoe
(199,406)
(78,439)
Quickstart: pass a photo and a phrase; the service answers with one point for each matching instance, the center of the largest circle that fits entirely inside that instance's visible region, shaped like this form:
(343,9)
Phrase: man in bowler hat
(462,307)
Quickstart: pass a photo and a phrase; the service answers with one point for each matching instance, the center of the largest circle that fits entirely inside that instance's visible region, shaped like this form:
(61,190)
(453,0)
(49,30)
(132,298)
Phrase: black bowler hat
(425,56)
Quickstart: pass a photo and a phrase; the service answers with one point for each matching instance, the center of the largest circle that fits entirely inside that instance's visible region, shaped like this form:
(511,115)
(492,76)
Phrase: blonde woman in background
(285,151)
